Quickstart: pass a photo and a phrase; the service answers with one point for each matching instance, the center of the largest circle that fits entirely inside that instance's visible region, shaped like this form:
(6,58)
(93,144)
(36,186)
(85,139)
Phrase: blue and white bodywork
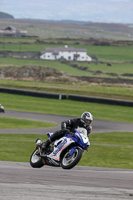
(67,151)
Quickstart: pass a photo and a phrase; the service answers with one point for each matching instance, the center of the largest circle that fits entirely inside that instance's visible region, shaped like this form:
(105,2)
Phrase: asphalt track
(99,126)
(18,181)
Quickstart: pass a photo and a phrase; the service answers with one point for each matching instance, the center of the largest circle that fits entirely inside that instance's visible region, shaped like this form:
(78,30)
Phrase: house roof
(66,48)
(9,28)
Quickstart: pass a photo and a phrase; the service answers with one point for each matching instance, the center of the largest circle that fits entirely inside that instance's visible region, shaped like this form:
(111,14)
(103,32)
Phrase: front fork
(38,145)
(73,148)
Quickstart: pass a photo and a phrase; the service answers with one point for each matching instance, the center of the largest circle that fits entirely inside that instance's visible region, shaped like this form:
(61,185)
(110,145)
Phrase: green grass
(119,68)
(19,148)
(108,91)
(22,47)
(112,138)
(112,53)
(66,107)
(105,53)
(6,122)
(55,64)
(16,40)
(125,92)
(108,156)
(110,150)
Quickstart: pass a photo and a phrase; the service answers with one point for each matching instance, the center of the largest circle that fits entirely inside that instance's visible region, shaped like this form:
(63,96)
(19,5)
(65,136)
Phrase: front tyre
(69,161)
(36,160)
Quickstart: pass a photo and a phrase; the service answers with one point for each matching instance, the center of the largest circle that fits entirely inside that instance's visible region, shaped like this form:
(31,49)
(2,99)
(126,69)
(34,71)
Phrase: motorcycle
(65,152)
(2,108)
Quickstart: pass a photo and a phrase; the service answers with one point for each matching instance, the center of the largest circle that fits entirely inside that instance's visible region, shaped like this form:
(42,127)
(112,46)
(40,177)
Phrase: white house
(67,53)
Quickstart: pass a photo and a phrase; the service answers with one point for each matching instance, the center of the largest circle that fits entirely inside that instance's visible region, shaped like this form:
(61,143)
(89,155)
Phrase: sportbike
(65,152)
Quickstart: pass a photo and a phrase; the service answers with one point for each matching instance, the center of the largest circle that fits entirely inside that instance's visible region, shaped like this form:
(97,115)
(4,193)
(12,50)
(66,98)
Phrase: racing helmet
(87,117)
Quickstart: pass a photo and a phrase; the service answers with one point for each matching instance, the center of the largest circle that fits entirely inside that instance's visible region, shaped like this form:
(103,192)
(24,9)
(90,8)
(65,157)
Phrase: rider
(2,108)
(69,126)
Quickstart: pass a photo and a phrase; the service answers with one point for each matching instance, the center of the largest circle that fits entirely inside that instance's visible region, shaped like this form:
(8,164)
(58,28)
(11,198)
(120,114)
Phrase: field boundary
(68,97)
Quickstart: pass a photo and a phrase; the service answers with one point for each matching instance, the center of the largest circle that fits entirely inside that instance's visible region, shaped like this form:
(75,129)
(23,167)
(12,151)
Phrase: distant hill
(71,29)
(6,15)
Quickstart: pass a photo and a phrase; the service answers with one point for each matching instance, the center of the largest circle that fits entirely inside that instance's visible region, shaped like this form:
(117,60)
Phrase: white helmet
(87,116)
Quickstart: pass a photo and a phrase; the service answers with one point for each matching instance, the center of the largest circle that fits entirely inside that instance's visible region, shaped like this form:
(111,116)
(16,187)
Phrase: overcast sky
(117,11)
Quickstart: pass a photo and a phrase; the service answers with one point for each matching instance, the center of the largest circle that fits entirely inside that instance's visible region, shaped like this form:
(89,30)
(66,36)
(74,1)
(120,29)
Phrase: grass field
(104,90)
(108,91)
(114,54)
(110,150)
(14,123)
(66,107)
(105,53)
(119,69)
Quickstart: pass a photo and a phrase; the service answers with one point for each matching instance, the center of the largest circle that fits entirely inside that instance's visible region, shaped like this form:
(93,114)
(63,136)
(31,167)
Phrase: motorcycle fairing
(80,139)
(58,149)
(59,145)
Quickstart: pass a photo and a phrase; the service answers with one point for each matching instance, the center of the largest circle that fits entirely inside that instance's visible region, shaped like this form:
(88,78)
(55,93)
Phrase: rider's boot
(56,135)
(46,144)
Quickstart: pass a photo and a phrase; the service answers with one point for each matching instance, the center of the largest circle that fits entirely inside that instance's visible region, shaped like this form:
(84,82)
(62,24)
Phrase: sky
(109,11)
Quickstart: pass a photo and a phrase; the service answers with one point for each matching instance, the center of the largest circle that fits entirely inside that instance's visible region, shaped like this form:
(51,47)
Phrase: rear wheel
(69,161)
(36,160)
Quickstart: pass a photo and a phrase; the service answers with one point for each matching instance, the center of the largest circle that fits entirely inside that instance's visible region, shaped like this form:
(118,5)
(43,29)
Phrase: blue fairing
(78,139)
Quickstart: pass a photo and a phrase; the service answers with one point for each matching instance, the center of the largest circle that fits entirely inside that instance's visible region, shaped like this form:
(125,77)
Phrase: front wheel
(36,160)
(69,161)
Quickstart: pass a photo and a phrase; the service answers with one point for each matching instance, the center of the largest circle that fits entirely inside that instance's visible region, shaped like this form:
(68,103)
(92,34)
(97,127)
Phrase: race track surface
(99,126)
(19,181)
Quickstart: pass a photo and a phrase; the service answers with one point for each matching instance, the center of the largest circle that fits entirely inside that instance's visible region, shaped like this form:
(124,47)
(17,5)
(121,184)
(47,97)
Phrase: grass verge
(6,122)
(108,91)
(19,147)
(66,107)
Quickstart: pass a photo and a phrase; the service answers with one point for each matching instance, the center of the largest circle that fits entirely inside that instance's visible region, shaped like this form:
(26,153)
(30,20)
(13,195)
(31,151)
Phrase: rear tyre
(69,161)
(36,160)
